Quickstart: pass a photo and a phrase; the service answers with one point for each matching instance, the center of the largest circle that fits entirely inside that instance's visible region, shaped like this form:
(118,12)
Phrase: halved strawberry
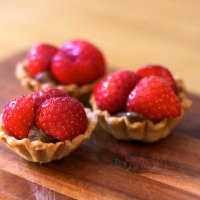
(154,99)
(111,93)
(39,58)
(78,62)
(45,94)
(18,116)
(158,70)
(61,117)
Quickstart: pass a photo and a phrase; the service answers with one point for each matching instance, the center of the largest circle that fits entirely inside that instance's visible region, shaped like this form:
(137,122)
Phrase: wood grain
(14,187)
(104,168)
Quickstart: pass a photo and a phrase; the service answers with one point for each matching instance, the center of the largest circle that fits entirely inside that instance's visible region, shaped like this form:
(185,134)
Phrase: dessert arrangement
(49,123)
(73,68)
(45,125)
(143,105)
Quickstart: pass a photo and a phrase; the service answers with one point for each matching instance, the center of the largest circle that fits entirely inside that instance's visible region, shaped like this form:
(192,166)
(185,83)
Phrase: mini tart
(34,85)
(38,151)
(147,131)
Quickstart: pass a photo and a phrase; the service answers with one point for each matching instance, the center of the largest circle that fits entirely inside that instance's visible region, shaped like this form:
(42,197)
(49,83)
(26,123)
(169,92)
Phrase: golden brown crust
(38,151)
(122,128)
(32,84)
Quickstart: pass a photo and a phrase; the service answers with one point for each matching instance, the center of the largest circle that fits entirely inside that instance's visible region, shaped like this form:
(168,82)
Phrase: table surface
(131,34)
(104,168)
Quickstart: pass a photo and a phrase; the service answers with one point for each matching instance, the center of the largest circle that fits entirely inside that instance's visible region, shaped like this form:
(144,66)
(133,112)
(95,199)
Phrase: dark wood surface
(103,168)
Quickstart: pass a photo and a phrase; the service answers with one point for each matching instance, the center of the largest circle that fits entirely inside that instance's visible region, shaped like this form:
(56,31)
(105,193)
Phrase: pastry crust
(38,151)
(34,85)
(147,131)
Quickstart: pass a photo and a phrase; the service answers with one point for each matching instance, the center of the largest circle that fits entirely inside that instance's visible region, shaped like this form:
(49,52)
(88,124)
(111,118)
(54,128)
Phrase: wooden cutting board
(104,168)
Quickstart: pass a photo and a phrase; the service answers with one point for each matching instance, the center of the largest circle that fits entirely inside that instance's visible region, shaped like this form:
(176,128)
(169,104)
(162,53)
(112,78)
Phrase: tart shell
(147,131)
(38,151)
(34,85)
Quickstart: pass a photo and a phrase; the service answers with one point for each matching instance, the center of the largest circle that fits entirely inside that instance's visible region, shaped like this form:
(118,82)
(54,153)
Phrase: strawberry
(111,93)
(42,95)
(62,118)
(154,99)
(78,62)
(158,70)
(39,58)
(18,116)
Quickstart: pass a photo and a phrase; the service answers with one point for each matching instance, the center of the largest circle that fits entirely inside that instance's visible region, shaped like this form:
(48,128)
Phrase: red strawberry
(112,92)
(39,58)
(154,99)
(61,117)
(158,70)
(78,62)
(18,116)
(42,95)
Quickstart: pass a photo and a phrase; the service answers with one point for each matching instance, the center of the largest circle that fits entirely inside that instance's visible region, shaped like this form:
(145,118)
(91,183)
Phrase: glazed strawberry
(111,93)
(62,118)
(18,116)
(39,58)
(42,95)
(154,99)
(158,70)
(78,62)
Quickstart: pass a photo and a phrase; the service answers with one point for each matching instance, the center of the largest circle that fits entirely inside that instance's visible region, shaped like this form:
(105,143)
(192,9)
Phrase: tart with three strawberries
(73,68)
(144,105)
(46,125)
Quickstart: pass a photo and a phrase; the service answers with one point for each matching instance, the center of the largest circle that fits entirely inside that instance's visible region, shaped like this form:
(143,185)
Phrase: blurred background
(131,33)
